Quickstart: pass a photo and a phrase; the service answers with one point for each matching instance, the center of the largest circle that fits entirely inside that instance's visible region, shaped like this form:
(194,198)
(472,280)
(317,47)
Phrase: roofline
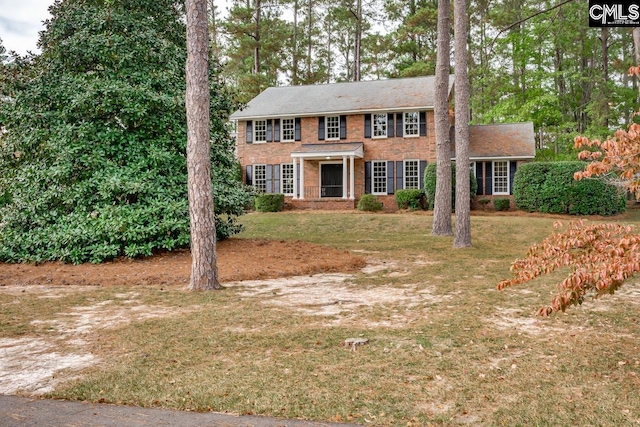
(325,113)
(500,158)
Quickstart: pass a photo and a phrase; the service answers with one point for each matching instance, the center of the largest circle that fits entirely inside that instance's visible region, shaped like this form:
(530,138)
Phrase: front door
(331,180)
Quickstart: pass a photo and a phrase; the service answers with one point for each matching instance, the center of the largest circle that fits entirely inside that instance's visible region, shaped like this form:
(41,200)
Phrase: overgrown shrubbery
(269,202)
(412,199)
(550,187)
(502,204)
(430,184)
(369,202)
(93,146)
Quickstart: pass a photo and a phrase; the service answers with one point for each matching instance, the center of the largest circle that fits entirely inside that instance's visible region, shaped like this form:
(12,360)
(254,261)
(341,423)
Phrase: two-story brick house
(324,146)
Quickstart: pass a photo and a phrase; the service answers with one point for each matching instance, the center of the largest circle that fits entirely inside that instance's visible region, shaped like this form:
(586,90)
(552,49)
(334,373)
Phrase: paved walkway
(24,411)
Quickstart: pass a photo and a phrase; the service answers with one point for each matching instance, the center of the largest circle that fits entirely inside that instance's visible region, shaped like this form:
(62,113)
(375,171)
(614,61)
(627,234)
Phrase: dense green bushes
(501,204)
(430,184)
(550,187)
(269,202)
(92,150)
(370,203)
(412,199)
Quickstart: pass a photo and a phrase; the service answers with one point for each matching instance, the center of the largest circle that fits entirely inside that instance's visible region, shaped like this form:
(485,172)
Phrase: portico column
(352,183)
(344,177)
(302,177)
(295,178)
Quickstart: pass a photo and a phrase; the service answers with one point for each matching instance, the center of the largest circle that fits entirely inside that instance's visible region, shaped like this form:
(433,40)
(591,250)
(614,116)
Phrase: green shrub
(370,203)
(412,199)
(430,184)
(269,202)
(484,202)
(502,204)
(549,187)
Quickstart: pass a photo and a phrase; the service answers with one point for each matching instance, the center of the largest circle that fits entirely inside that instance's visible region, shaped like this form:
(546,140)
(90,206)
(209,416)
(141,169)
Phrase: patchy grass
(445,347)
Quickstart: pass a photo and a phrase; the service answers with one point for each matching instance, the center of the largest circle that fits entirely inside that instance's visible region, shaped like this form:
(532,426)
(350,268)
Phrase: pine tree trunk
(204,269)
(358,48)
(463,188)
(442,203)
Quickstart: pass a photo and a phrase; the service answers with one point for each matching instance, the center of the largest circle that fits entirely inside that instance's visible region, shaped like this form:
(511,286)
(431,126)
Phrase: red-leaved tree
(600,256)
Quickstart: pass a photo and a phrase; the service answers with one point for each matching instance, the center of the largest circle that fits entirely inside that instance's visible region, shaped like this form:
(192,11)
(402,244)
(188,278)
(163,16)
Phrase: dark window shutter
(399,130)
(269,170)
(276,130)
(343,127)
(390,182)
(479,178)
(488,178)
(249,132)
(321,128)
(367,177)
(367,126)
(276,178)
(249,176)
(423,123)
(399,174)
(297,130)
(390,127)
(423,167)
(269,130)
(513,166)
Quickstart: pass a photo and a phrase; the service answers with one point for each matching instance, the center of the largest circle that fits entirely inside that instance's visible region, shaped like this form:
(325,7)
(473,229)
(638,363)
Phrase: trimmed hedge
(502,204)
(549,187)
(369,202)
(430,184)
(269,202)
(411,198)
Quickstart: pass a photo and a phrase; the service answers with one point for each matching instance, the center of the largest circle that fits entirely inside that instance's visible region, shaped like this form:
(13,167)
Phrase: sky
(20,22)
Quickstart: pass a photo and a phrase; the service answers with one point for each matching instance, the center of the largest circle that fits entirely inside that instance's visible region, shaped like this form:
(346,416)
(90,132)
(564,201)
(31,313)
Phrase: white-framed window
(260,177)
(286,177)
(379,177)
(332,124)
(412,123)
(380,125)
(260,131)
(472,166)
(501,177)
(411,174)
(288,130)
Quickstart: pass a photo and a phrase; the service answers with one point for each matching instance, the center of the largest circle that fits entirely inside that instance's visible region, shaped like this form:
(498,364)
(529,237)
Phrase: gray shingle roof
(342,98)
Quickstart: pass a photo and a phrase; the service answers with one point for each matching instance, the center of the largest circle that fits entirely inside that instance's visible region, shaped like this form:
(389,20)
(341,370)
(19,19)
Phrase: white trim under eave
(334,113)
(477,159)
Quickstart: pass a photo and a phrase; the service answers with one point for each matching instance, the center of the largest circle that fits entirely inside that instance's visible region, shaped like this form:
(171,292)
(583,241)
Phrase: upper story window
(380,125)
(333,127)
(260,131)
(288,130)
(412,124)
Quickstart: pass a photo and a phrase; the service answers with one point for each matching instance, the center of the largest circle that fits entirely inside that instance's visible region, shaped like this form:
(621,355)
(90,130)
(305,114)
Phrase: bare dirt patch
(238,259)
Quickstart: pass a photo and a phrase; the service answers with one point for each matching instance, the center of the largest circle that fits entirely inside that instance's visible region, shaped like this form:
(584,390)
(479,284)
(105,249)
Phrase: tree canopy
(94,138)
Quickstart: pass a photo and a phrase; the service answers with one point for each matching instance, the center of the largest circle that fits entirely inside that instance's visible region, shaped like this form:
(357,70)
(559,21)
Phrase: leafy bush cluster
(412,199)
(550,187)
(502,204)
(369,203)
(269,202)
(430,184)
(92,152)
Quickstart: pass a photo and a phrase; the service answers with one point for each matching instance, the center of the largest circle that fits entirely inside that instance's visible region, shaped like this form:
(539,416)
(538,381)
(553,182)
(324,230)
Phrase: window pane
(411,174)
(333,127)
(288,129)
(260,177)
(379,177)
(501,177)
(411,124)
(379,125)
(260,130)
(287,179)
